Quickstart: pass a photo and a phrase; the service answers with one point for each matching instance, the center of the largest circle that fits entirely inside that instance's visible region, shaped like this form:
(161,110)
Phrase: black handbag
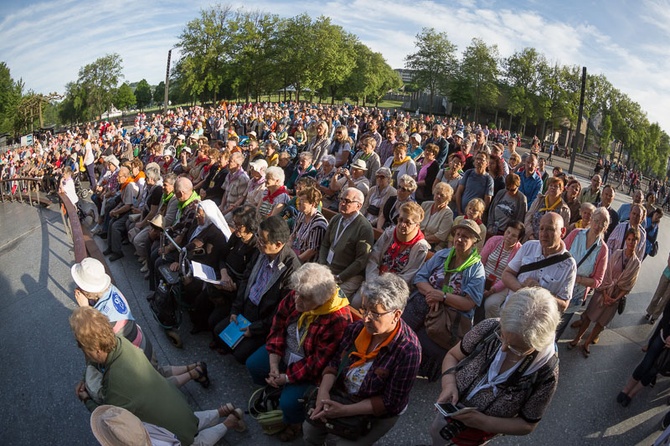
(350,428)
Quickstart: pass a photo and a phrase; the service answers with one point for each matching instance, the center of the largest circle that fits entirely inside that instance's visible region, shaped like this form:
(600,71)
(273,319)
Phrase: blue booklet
(233,334)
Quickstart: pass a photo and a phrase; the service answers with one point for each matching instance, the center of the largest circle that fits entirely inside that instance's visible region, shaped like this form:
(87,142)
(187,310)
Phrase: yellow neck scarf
(396,164)
(332,305)
(552,207)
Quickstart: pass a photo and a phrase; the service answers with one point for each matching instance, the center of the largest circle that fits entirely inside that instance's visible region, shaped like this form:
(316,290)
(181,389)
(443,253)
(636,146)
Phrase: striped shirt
(309,235)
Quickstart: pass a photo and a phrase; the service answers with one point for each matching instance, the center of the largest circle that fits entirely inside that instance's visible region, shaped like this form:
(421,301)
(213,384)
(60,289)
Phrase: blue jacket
(530,187)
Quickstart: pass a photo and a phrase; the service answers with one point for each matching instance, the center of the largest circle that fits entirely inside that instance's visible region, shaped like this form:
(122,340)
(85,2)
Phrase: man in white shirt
(559,277)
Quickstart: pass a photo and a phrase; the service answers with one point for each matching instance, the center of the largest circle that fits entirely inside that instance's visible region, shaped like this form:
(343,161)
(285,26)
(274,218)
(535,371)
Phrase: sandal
(290,433)
(226,410)
(240,426)
(201,377)
(572,345)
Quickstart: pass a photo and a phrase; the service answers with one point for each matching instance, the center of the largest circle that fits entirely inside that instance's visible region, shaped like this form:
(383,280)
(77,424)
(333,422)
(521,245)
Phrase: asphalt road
(40,363)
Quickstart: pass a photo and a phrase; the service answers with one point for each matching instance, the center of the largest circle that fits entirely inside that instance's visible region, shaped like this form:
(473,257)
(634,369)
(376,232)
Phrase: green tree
(97,82)
(205,51)
(479,71)
(124,97)
(433,63)
(159,93)
(606,135)
(253,46)
(143,94)
(11,92)
(524,73)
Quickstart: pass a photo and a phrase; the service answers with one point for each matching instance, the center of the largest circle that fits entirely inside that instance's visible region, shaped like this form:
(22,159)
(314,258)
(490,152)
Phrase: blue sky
(46,42)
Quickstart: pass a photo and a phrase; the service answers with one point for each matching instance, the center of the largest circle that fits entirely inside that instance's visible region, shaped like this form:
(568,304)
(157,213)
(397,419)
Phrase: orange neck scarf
(362,343)
(125,183)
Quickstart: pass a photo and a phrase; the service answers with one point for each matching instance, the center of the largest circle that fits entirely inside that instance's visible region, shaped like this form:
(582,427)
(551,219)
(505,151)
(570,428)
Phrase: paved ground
(39,360)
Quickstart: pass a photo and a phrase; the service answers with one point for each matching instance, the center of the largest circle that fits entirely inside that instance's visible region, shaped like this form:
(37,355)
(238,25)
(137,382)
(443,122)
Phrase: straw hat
(90,275)
(470,225)
(116,426)
(157,222)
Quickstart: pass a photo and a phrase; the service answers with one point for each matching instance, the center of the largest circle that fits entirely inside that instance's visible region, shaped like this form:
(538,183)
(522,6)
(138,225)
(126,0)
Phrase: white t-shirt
(558,279)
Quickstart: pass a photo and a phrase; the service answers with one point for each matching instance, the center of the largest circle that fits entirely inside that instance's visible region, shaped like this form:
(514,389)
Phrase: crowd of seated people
(311,219)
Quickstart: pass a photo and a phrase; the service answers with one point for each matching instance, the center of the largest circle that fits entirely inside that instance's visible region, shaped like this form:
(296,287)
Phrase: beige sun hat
(116,426)
(470,225)
(90,275)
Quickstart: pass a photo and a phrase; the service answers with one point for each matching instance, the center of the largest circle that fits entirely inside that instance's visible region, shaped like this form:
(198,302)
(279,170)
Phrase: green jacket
(130,381)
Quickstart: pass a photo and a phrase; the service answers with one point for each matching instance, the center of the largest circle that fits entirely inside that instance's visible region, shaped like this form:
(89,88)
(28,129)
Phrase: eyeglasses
(406,222)
(373,314)
(510,348)
(405,189)
(348,201)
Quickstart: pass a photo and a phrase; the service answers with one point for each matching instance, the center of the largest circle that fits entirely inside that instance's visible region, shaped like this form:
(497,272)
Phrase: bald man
(544,262)
(120,214)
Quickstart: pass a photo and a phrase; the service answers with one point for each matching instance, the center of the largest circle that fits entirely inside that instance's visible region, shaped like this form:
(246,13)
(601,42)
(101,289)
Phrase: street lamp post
(167,83)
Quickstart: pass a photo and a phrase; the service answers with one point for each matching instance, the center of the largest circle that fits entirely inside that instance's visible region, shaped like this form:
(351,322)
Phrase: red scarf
(477,220)
(271,197)
(396,248)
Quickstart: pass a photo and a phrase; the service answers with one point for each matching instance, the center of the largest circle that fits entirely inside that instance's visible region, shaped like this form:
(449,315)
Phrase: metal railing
(23,190)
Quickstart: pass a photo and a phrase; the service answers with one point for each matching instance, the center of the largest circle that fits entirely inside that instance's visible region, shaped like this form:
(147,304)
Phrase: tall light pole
(167,82)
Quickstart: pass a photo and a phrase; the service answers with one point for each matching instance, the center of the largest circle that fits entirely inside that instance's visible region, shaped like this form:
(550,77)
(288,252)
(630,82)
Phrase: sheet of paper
(204,272)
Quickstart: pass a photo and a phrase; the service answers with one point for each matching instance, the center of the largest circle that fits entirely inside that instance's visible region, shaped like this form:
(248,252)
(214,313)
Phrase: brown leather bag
(446,326)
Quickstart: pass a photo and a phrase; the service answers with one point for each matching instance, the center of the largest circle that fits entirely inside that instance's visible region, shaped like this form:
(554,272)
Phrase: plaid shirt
(391,377)
(322,340)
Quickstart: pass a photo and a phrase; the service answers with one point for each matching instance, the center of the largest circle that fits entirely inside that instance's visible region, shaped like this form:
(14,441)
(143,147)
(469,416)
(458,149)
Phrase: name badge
(331,254)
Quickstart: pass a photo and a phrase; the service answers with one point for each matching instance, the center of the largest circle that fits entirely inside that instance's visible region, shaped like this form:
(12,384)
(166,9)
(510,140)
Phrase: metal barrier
(23,190)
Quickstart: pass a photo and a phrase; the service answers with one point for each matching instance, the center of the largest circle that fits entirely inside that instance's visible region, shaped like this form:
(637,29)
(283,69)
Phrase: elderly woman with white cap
(378,195)
(449,286)
(94,288)
(257,187)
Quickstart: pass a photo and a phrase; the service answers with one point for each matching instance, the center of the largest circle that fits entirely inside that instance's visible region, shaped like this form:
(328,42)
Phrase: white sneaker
(95,229)
(144,269)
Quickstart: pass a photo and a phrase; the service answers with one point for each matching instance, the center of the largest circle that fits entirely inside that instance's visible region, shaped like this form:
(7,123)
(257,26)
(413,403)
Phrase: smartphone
(446,409)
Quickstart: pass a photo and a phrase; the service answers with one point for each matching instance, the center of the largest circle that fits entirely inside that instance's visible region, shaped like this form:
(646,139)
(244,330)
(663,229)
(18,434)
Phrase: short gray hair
(330,159)
(408,182)
(276,173)
(533,314)
(306,155)
(153,172)
(359,194)
(387,290)
(315,282)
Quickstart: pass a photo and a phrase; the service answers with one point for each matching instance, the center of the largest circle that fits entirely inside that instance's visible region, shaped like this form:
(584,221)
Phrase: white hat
(187,149)
(90,275)
(169,151)
(252,134)
(112,159)
(416,137)
(112,426)
(182,137)
(259,165)
(359,164)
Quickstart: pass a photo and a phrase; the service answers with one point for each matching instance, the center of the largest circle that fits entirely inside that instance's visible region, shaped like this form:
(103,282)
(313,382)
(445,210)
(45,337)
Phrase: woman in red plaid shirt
(305,334)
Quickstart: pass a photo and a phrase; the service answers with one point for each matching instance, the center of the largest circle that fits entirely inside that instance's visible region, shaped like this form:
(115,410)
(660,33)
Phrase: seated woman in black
(236,260)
